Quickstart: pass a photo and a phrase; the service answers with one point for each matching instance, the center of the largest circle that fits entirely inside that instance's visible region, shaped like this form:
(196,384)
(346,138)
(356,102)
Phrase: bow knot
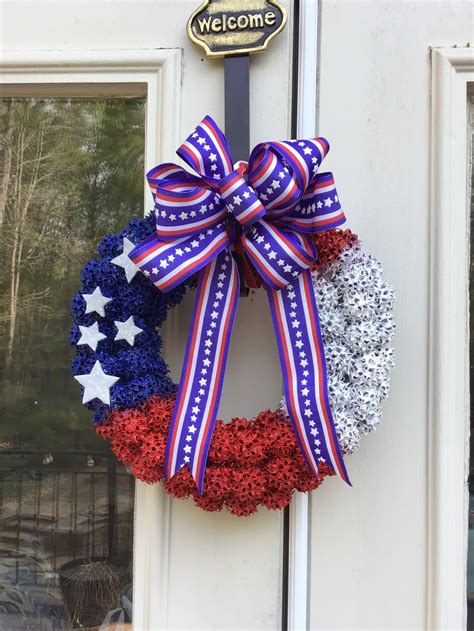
(265,210)
(241,199)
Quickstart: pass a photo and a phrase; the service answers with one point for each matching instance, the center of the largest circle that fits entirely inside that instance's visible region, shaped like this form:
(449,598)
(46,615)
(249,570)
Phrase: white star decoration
(90,335)
(127,330)
(328,202)
(96,301)
(122,260)
(96,384)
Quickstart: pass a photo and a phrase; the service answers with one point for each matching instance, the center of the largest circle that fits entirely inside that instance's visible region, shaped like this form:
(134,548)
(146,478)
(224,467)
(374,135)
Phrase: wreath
(118,314)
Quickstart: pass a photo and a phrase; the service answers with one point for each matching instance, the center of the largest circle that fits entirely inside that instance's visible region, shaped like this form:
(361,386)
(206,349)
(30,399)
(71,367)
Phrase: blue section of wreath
(141,370)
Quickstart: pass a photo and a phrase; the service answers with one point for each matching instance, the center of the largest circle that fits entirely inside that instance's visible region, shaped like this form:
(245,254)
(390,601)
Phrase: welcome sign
(232,27)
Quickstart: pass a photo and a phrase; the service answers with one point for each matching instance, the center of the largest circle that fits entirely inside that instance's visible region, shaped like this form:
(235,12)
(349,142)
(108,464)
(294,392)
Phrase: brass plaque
(233,27)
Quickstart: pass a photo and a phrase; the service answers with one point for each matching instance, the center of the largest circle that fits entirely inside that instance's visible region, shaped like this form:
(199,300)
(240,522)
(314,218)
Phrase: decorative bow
(265,209)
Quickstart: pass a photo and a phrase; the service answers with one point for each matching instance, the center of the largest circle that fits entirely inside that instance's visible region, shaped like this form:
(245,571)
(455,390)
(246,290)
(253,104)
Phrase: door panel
(370,543)
(228,576)
(215,570)
(227,569)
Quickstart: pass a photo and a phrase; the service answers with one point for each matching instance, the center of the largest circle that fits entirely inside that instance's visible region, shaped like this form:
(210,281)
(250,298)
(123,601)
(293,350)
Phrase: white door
(375,550)
(191,569)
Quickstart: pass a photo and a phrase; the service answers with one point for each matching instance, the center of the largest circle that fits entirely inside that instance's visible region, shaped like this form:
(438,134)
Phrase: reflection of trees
(27,151)
(7,149)
(70,171)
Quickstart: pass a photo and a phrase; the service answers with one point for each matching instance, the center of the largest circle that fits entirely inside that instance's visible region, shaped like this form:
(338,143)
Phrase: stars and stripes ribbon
(265,210)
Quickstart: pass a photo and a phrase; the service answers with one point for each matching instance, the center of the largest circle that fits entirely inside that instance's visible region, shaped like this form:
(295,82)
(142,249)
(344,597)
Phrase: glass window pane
(71,170)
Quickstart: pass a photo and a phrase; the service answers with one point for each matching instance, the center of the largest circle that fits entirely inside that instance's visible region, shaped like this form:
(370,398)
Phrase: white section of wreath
(355,305)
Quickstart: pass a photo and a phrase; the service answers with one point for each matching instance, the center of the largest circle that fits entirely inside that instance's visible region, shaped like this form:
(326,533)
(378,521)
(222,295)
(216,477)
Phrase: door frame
(306,104)
(152,73)
(448,410)
(155,74)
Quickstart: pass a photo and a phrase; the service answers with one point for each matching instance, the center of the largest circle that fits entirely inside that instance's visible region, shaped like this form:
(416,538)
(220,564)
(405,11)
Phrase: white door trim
(154,73)
(157,75)
(299,527)
(452,69)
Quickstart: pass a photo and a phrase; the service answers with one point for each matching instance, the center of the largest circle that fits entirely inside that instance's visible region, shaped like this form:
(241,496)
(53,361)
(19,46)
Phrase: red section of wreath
(331,244)
(250,462)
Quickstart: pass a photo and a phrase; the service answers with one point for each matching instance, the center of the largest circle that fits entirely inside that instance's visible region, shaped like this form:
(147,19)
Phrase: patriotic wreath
(170,434)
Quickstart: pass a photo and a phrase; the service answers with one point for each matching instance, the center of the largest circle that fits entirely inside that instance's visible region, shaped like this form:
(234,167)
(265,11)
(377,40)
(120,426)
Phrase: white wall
(369,543)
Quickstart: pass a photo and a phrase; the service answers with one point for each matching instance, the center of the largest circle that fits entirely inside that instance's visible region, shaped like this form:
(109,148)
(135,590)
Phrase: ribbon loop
(264,210)
(206,151)
(318,209)
(169,263)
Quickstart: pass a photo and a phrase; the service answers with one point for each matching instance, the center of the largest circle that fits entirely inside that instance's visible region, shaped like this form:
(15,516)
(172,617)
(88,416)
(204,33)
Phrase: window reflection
(70,171)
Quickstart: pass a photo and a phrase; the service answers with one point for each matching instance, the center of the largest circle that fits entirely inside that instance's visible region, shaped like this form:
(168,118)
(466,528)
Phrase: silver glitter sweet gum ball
(355,305)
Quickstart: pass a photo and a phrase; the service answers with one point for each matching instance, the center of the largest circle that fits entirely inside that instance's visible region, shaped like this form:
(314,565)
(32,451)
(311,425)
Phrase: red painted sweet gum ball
(250,462)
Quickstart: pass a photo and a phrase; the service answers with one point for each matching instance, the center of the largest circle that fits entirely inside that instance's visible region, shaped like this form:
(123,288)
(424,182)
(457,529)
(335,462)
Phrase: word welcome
(241,22)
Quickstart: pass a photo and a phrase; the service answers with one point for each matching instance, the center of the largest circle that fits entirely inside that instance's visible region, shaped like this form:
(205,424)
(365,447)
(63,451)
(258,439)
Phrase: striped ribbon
(264,209)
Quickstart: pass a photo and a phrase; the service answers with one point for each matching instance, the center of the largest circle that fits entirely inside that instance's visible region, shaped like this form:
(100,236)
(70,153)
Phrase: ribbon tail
(200,387)
(300,346)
